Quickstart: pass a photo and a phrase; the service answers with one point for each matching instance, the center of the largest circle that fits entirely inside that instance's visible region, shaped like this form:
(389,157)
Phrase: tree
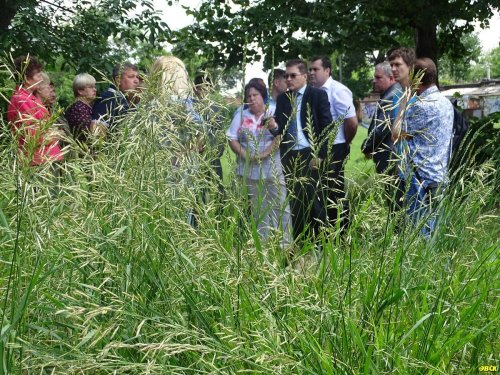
(85,34)
(458,68)
(226,34)
(433,22)
(491,59)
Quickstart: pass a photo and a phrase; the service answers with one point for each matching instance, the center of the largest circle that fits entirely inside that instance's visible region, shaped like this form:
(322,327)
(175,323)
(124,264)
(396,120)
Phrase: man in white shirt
(346,125)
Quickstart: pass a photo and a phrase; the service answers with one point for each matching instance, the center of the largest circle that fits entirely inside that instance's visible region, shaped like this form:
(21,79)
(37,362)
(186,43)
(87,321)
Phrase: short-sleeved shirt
(254,136)
(430,123)
(341,105)
(29,120)
(79,117)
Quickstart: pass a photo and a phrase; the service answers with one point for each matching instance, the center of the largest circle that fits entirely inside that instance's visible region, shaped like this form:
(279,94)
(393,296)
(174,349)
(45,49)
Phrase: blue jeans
(422,201)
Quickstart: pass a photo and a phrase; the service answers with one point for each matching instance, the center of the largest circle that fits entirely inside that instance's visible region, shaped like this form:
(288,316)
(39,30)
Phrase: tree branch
(58,6)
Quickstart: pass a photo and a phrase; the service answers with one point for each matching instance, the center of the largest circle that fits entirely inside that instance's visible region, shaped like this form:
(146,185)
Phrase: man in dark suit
(378,145)
(379,142)
(301,118)
(118,99)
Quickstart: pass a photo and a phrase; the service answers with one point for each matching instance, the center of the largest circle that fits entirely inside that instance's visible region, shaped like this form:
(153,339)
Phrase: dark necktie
(292,128)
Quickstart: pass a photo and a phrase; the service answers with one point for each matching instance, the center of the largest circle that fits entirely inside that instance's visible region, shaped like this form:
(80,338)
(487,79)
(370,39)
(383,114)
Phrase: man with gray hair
(379,143)
(117,99)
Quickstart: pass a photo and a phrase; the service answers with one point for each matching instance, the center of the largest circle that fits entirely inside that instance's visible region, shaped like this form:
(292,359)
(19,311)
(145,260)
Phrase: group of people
(410,136)
(33,99)
(29,111)
(292,148)
(291,145)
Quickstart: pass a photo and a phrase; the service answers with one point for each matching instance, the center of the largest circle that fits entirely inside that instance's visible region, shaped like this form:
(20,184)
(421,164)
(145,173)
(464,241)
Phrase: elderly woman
(79,114)
(29,116)
(259,163)
(45,91)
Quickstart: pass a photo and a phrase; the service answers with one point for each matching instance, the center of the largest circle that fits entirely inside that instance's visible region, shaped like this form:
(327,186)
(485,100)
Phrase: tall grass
(104,274)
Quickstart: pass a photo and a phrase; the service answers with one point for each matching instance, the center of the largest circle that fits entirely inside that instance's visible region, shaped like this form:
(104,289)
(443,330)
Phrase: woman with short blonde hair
(82,81)
(79,114)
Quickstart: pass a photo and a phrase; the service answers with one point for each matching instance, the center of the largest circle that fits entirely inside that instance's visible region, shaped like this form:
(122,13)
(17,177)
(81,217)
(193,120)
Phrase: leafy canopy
(229,33)
(86,34)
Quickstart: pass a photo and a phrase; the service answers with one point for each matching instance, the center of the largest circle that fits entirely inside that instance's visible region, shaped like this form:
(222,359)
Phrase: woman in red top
(29,118)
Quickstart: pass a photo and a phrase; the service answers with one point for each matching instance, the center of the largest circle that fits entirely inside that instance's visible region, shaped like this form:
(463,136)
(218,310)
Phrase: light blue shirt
(302,141)
(272,103)
(430,123)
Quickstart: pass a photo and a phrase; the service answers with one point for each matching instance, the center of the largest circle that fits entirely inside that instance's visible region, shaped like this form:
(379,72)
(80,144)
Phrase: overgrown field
(104,275)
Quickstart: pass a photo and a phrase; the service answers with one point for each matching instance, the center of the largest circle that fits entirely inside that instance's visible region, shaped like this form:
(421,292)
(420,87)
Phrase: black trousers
(381,159)
(303,189)
(395,192)
(216,166)
(333,182)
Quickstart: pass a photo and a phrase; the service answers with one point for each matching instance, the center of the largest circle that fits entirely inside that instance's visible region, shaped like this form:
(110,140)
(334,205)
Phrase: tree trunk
(380,57)
(426,42)
(8,10)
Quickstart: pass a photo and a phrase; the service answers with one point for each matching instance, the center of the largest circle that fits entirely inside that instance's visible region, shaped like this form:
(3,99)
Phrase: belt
(300,151)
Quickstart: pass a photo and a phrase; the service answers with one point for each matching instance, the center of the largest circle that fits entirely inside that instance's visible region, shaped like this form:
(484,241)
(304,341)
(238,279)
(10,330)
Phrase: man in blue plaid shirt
(429,134)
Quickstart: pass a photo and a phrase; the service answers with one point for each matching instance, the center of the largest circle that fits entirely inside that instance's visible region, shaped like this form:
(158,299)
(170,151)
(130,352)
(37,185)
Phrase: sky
(490,38)
(176,18)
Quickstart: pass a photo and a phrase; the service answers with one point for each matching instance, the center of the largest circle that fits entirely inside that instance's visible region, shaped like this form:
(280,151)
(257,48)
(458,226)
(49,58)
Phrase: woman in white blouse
(259,163)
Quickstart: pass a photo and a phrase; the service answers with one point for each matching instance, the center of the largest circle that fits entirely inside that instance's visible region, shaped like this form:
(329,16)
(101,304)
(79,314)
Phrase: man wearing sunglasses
(302,114)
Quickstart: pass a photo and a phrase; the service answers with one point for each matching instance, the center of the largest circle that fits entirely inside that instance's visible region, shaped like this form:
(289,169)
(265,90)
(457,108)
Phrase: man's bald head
(426,65)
